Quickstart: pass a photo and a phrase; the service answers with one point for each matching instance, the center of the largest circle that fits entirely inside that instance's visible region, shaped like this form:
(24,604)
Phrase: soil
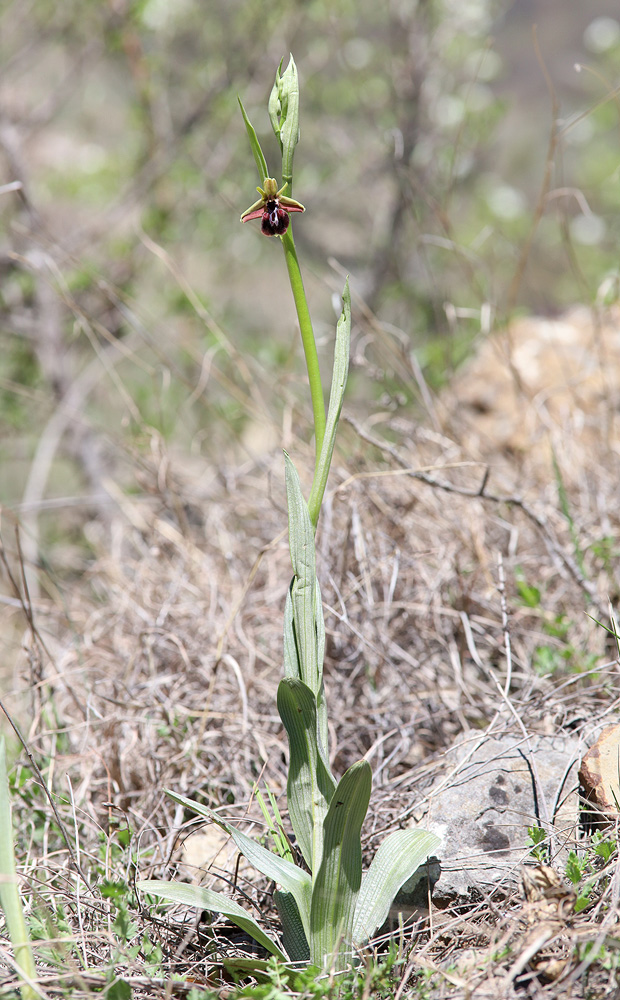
(466,559)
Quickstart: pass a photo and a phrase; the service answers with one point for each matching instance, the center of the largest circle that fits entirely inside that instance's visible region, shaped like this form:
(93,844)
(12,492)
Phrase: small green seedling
(584,872)
(538,837)
(328,907)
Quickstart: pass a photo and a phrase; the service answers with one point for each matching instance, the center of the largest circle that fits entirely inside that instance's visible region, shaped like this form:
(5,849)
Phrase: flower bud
(284,115)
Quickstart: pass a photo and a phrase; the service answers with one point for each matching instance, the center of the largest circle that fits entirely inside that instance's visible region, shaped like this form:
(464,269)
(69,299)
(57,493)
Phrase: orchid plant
(327,906)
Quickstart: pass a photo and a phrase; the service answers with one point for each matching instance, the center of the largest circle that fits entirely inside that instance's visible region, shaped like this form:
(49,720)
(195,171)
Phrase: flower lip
(272,208)
(275,219)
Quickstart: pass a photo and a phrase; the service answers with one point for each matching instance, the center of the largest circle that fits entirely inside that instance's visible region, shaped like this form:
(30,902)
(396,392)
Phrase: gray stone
(494,789)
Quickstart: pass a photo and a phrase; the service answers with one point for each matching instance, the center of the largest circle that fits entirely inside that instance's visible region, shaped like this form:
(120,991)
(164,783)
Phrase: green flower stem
(307,337)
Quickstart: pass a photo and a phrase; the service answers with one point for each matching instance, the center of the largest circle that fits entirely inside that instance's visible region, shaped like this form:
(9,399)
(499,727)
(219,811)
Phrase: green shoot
(9,892)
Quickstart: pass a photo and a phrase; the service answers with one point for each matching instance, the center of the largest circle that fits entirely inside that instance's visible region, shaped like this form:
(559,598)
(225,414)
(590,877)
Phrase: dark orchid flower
(272,208)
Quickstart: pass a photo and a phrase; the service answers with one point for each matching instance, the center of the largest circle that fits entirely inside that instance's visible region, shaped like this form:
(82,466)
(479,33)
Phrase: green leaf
(575,867)
(205,899)
(310,784)
(293,935)
(337,883)
(10,900)
(259,156)
(294,979)
(303,588)
(321,703)
(292,666)
(339,381)
(288,875)
(398,857)
(119,990)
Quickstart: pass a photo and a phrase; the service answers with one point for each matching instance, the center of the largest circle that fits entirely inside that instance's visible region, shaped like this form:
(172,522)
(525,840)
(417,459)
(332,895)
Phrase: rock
(482,810)
(411,900)
(599,774)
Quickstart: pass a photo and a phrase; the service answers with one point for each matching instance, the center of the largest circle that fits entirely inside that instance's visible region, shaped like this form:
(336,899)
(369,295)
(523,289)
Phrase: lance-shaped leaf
(215,902)
(321,704)
(288,875)
(398,857)
(293,935)
(339,381)
(292,664)
(337,883)
(259,156)
(310,784)
(303,596)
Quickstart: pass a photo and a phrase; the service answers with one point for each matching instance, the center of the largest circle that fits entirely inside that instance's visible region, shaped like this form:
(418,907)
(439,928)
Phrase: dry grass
(156,666)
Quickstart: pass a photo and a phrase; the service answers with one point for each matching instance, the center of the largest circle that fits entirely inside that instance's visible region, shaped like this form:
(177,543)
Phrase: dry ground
(156,667)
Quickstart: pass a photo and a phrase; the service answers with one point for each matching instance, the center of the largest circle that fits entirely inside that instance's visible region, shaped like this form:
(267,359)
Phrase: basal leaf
(285,874)
(398,857)
(293,935)
(205,899)
(337,883)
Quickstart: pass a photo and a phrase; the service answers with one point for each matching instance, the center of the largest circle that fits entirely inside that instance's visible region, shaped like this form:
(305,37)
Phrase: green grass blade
(274,824)
(205,899)
(293,935)
(337,883)
(285,874)
(566,511)
(310,784)
(398,857)
(339,381)
(9,892)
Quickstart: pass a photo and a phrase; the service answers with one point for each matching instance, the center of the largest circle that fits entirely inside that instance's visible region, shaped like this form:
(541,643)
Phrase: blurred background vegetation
(453,160)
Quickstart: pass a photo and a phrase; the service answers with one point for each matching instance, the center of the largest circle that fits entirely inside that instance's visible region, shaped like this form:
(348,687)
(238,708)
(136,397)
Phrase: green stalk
(10,899)
(307,337)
